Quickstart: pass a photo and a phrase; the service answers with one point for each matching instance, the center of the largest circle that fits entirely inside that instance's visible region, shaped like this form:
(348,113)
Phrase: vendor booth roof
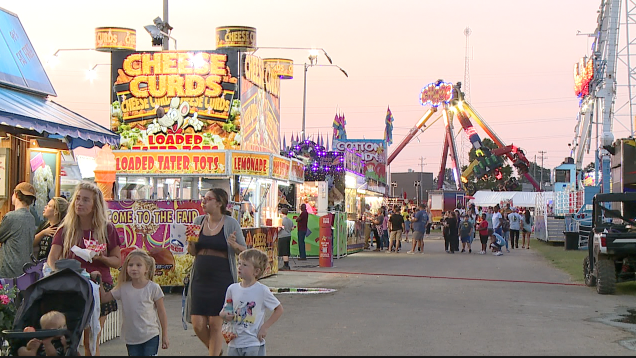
(20,109)
(492,198)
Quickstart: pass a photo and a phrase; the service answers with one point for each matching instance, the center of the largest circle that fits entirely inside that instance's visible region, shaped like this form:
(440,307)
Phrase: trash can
(325,257)
(571,240)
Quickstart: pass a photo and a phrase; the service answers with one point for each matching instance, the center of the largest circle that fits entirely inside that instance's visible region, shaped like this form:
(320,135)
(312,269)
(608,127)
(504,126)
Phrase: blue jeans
(385,238)
(301,244)
(150,348)
(507,237)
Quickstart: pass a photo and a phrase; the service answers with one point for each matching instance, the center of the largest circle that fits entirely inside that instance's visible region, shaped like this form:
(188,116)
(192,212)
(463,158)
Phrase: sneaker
(447,251)
(410,252)
(508,251)
(388,252)
(470,251)
(482,252)
(495,253)
(463,250)
(499,253)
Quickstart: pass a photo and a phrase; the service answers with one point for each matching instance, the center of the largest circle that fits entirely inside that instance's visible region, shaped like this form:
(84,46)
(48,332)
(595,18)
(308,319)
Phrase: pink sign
(37,162)
(150,224)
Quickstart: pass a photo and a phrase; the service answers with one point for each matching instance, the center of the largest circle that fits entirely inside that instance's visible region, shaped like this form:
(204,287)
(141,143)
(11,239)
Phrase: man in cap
(17,231)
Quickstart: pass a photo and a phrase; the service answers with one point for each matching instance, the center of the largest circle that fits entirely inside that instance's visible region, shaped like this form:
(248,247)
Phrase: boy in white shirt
(245,306)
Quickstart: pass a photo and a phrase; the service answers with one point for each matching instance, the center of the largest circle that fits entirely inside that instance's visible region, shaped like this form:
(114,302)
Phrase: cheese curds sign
(159,97)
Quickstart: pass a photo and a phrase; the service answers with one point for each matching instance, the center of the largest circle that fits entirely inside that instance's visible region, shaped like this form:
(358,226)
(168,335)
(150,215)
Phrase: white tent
(492,198)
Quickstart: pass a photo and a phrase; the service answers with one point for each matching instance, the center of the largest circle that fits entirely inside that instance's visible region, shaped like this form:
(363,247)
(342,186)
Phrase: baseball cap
(25,188)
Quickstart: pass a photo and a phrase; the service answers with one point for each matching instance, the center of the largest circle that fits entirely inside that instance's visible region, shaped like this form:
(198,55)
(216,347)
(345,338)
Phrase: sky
(521,55)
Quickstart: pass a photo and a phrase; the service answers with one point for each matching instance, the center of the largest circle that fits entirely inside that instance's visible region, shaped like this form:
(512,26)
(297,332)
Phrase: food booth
(37,135)
(190,121)
(365,182)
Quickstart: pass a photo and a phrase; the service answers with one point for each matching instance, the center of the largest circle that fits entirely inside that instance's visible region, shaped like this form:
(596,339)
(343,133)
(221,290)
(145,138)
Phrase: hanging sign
(184,163)
(108,39)
(250,164)
(297,173)
(240,37)
(280,168)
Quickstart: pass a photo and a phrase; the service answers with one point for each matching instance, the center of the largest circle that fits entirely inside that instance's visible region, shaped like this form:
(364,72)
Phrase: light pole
(91,74)
(313,60)
(312,63)
(52,61)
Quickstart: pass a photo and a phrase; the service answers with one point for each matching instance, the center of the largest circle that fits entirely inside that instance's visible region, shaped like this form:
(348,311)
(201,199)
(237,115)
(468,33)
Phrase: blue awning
(19,109)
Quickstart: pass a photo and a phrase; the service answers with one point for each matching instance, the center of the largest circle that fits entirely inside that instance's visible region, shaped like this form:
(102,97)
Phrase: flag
(388,131)
(339,123)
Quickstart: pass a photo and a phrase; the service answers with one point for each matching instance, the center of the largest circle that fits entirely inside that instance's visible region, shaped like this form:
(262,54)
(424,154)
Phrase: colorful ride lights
(486,164)
(436,94)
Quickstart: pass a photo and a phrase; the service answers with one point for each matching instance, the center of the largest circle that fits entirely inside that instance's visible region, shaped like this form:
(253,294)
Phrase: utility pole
(541,183)
(166,40)
(420,193)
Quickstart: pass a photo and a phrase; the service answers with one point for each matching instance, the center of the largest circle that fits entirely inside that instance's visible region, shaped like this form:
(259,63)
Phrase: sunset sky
(522,55)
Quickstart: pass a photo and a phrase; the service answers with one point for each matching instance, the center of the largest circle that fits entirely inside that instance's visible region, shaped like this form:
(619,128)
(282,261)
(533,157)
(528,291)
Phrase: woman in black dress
(214,267)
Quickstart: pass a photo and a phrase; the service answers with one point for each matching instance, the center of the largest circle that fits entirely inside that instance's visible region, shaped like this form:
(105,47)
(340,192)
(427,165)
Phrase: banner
(159,97)
(260,107)
(160,228)
(250,164)
(297,173)
(266,240)
(148,224)
(372,153)
(184,163)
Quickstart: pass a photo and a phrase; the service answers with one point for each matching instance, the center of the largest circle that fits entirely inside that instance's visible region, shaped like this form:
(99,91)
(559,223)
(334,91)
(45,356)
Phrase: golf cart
(612,249)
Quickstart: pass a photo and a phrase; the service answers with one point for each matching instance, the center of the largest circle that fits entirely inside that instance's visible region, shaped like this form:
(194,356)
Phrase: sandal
(528,247)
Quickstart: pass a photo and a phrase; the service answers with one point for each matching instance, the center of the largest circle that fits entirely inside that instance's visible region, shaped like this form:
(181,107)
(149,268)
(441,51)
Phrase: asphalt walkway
(431,304)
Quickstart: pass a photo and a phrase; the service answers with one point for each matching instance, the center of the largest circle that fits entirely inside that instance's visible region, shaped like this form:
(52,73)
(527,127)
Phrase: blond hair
(148,261)
(61,207)
(73,232)
(53,320)
(257,258)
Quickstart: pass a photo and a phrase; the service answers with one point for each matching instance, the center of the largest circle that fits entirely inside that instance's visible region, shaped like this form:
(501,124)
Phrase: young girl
(142,301)
(246,303)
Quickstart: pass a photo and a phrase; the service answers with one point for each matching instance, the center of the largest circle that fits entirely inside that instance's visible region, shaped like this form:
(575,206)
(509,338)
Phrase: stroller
(66,291)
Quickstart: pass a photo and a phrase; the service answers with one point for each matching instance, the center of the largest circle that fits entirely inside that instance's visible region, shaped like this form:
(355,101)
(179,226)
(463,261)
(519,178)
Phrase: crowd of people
(495,227)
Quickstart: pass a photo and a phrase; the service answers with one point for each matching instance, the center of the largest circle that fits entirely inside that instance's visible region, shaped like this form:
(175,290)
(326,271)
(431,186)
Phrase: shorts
(467,239)
(418,235)
(107,307)
(407,226)
(247,351)
(395,235)
(483,239)
(524,230)
(284,248)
